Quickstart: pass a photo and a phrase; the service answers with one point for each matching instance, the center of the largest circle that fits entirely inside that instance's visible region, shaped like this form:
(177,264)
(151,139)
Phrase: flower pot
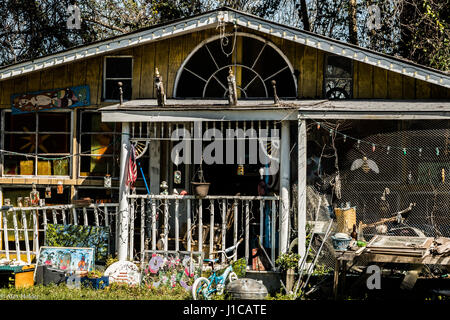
(201,188)
(290,278)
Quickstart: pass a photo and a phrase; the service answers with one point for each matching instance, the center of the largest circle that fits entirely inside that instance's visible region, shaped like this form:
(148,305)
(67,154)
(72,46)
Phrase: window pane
(97,144)
(24,143)
(53,167)
(18,165)
(20,122)
(54,143)
(54,122)
(338,67)
(118,68)
(112,89)
(92,122)
(96,166)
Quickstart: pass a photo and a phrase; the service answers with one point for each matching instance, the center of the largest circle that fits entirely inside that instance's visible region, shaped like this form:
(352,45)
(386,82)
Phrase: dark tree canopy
(414,29)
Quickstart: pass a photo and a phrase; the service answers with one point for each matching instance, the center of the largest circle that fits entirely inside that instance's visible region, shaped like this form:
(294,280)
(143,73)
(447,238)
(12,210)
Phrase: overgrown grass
(114,292)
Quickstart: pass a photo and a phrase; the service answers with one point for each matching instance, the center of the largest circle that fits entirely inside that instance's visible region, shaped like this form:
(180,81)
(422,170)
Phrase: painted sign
(68,235)
(63,98)
(66,259)
(123,272)
(172,268)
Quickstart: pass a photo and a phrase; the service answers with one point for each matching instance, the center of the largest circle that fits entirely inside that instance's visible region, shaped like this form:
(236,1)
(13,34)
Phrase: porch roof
(180,110)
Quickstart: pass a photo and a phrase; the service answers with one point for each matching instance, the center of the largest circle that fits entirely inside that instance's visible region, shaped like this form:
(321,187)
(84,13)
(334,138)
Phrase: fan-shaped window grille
(255,63)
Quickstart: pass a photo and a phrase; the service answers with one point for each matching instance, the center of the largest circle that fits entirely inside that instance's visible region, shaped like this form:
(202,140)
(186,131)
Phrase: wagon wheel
(140,147)
(337,93)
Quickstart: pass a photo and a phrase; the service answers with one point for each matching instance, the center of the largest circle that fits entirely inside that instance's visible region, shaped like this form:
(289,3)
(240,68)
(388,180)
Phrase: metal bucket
(341,241)
(247,289)
(201,188)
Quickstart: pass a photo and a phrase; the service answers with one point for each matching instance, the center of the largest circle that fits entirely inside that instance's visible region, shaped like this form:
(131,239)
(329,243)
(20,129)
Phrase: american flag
(132,168)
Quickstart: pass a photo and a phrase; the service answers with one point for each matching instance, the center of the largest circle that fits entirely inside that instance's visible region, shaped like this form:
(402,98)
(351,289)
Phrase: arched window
(254,60)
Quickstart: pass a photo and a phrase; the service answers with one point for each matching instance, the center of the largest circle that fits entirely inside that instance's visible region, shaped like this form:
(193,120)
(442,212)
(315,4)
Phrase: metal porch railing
(189,223)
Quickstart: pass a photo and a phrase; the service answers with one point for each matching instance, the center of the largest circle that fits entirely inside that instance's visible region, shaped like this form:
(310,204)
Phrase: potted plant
(201,187)
(95,279)
(288,262)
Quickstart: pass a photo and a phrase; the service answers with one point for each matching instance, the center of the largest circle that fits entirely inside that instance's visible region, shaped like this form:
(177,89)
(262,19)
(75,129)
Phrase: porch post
(284,186)
(301,221)
(124,190)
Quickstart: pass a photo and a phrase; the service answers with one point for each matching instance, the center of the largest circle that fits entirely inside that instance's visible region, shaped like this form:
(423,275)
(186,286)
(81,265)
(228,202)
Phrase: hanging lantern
(373,147)
(388,149)
(420,152)
(318,125)
(60,188)
(48,192)
(345,138)
(177,177)
(404,151)
(437,151)
(240,170)
(359,143)
(107,181)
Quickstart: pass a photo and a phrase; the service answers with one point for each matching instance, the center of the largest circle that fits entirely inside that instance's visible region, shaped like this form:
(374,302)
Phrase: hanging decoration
(177,177)
(34,195)
(60,188)
(366,165)
(240,170)
(373,145)
(48,192)
(107,181)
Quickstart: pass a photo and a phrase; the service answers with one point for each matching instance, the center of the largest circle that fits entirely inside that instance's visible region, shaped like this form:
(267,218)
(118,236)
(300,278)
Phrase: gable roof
(210,19)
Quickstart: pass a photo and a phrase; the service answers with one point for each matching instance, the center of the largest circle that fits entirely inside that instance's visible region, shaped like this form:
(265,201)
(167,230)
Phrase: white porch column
(301,221)
(284,186)
(124,190)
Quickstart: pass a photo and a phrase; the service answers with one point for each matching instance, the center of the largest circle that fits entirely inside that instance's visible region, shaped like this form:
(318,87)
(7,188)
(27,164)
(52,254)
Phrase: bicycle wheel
(200,289)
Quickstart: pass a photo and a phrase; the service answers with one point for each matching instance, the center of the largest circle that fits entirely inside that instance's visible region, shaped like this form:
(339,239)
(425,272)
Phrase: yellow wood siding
(369,82)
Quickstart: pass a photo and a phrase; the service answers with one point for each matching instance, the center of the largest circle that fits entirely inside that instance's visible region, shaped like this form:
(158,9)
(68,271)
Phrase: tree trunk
(303,13)
(352,23)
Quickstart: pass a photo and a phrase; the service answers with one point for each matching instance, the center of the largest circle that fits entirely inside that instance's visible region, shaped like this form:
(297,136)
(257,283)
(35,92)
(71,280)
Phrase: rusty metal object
(232,89)
(247,289)
(159,86)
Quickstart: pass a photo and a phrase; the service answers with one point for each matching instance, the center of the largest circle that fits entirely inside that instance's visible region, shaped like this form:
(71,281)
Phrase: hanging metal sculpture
(366,165)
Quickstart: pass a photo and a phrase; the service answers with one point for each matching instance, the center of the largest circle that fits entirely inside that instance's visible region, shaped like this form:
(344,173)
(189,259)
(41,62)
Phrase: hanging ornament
(388,149)
(107,181)
(177,177)
(437,151)
(420,152)
(443,175)
(359,143)
(373,147)
(410,178)
(60,188)
(404,151)
(34,195)
(240,170)
(345,138)
(48,192)
(318,125)
(331,132)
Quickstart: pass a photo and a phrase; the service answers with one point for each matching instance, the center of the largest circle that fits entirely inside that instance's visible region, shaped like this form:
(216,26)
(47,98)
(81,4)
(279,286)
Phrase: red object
(183,193)
(132,168)
(256,261)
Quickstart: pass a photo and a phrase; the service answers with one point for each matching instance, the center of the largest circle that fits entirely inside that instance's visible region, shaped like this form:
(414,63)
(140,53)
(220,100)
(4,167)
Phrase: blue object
(143,177)
(95,283)
(340,244)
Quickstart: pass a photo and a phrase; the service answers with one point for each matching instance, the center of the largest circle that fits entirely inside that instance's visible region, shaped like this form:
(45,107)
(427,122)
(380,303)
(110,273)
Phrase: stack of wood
(399,246)
(441,246)
(84,202)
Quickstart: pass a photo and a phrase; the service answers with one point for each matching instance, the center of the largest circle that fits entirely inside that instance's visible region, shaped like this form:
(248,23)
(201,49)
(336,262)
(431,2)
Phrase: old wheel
(200,289)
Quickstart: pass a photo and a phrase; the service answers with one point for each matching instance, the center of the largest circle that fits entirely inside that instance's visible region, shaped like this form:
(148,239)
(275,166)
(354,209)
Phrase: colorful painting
(68,235)
(172,268)
(50,99)
(66,259)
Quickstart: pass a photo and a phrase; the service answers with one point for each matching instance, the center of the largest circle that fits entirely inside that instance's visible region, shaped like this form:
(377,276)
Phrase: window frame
(325,78)
(36,153)
(89,155)
(118,79)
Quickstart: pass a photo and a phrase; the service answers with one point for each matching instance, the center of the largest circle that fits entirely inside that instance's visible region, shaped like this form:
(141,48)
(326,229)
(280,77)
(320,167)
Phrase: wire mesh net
(395,174)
